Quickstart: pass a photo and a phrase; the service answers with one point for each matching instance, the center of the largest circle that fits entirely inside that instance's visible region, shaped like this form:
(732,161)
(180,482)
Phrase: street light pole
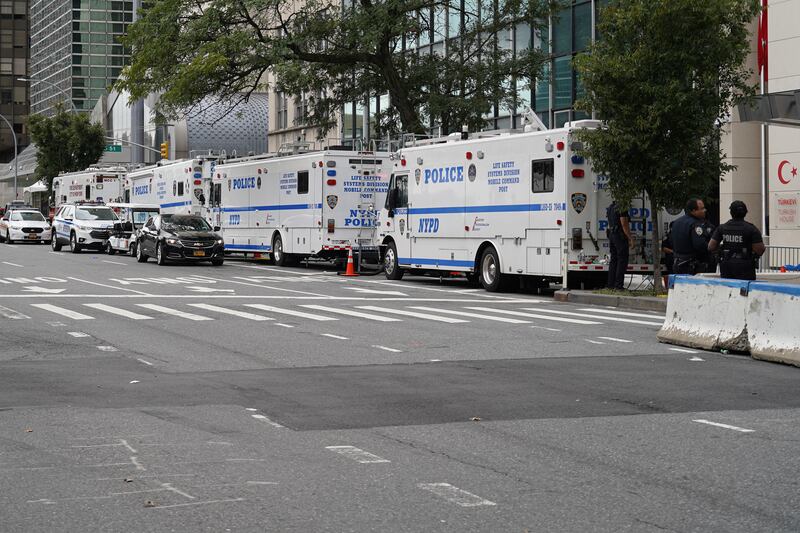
(16,159)
(51,84)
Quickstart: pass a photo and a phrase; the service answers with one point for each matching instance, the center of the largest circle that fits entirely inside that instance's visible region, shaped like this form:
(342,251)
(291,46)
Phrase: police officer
(707,261)
(740,244)
(620,242)
(688,238)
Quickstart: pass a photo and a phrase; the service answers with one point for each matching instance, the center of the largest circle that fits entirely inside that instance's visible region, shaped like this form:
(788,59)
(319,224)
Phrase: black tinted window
(542,175)
(302,182)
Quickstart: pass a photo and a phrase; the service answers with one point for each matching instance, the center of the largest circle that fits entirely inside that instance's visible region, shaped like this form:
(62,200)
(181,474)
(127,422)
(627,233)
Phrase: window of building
(300,109)
(562,32)
(542,175)
(582,35)
(281,111)
(562,82)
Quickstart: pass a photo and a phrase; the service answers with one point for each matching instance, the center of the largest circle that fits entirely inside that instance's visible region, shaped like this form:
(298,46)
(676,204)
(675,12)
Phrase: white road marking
(267,420)
(148,363)
(696,359)
(351,313)
(548,329)
(106,348)
(357,454)
(291,312)
(174,312)
(225,310)
(12,264)
(63,312)
(682,350)
(281,324)
(78,334)
(593,342)
(207,290)
(56,324)
(265,286)
(386,348)
(404,312)
(621,313)
(436,360)
(119,312)
(614,339)
(455,495)
(43,290)
(114,262)
(534,315)
(472,315)
(169,487)
(331,335)
(372,291)
(5,312)
(137,464)
(196,503)
(726,426)
(109,286)
(585,315)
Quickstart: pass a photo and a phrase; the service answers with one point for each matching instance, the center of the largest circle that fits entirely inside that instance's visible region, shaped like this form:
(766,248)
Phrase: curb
(641,303)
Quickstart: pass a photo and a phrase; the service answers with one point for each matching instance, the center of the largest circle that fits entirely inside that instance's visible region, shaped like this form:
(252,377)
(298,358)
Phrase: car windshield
(27,215)
(183,223)
(140,217)
(95,213)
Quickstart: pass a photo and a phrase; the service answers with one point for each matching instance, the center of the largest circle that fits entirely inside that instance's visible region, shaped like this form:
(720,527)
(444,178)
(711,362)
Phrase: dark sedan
(179,238)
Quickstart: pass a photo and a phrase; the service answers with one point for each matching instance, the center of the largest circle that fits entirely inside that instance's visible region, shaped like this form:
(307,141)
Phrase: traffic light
(164,150)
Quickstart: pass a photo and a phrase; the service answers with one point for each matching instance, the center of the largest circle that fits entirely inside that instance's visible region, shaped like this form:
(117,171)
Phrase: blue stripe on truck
(509,208)
(282,207)
(434,262)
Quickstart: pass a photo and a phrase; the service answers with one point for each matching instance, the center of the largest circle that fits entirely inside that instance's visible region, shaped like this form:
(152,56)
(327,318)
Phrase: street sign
(114,148)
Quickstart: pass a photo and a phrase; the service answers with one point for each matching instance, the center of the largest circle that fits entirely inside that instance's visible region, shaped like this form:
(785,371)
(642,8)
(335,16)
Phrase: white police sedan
(25,225)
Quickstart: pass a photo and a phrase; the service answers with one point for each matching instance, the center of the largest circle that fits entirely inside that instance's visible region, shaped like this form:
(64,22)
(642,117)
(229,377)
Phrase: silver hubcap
(278,250)
(158,254)
(389,261)
(489,270)
(72,242)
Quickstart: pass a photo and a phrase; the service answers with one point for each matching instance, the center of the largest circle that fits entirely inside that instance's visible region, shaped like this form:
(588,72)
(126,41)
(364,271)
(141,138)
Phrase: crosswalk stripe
(472,315)
(621,313)
(63,312)
(5,312)
(226,311)
(534,315)
(614,339)
(174,312)
(120,312)
(405,312)
(585,315)
(291,312)
(352,313)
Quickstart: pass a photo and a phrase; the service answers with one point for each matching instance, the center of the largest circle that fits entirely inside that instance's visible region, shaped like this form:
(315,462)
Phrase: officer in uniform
(620,242)
(689,242)
(740,245)
(707,262)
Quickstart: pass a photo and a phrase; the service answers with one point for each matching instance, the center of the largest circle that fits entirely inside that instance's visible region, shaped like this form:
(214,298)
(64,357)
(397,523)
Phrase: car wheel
(161,256)
(390,263)
(74,247)
(278,257)
(55,244)
(140,256)
(491,278)
(109,249)
(132,249)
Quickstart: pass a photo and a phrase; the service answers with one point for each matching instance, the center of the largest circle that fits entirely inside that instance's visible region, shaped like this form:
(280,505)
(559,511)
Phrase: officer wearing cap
(688,238)
(740,244)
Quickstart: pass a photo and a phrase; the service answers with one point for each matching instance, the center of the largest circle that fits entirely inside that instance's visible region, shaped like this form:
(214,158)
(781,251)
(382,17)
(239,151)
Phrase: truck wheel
(74,247)
(278,257)
(55,245)
(390,264)
(140,257)
(491,278)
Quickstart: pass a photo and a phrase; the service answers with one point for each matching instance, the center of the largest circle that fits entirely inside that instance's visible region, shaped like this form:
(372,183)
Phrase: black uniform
(669,257)
(690,245)
(707,261)
(618,246)
(736,258)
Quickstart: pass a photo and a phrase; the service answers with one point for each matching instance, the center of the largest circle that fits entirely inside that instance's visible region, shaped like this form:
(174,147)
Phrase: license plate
(32,237)
(199,253)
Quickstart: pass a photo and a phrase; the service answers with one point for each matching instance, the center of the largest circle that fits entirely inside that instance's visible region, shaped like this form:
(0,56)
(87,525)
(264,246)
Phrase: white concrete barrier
(772,322)
(707,313)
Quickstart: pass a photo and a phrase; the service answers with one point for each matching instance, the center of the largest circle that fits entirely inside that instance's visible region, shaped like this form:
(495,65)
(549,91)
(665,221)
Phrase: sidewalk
(642,303)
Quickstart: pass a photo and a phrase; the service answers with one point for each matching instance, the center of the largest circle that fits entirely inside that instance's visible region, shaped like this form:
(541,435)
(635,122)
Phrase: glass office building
(14,50)
(74,46)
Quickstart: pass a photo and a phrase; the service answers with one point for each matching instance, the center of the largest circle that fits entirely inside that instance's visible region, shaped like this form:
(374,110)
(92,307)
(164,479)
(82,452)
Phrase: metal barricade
(777,257)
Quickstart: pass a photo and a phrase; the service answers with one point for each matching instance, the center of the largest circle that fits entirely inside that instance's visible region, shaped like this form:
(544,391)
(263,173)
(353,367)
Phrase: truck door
(401,222)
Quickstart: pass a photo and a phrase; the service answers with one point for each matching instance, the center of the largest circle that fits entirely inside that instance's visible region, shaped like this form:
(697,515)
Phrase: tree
(663,76)
(65,142)
(186,50)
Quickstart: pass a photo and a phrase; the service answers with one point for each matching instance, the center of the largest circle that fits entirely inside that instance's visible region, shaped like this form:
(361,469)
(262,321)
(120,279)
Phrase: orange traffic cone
(350,271)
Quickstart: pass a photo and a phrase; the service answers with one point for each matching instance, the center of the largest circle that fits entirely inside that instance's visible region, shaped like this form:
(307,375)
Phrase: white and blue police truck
(318,203)
(176,187)
(504,207)
(94,184)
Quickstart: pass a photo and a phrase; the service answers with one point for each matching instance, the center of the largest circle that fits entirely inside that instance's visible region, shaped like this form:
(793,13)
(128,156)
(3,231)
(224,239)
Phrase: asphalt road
(247,397)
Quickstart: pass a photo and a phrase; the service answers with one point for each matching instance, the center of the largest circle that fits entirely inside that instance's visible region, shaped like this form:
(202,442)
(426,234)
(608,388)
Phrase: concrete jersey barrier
(772,322)
(707,313)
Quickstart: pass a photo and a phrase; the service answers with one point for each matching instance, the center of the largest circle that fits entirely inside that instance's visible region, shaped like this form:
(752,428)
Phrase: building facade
(14,56)
(75,50)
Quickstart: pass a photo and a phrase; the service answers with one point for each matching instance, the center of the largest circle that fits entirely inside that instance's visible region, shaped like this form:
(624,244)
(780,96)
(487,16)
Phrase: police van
(91,185)
(316,203)
(499,206)
(176,187)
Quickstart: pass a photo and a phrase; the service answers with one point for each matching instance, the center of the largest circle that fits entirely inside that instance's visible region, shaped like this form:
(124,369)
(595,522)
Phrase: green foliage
(65,142)
(185,51)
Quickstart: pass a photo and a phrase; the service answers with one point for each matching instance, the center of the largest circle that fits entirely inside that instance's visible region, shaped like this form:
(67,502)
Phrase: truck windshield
(94,213)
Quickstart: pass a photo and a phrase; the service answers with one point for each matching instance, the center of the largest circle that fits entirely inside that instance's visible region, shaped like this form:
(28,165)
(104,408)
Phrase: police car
(83,225)
(24,225)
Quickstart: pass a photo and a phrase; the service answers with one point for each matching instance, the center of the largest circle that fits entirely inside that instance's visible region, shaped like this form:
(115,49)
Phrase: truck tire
(490,272)
(391,266)
(74,246)
(278,255)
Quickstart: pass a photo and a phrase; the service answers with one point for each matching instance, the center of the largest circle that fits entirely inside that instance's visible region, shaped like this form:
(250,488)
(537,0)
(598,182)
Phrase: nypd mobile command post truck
(90,185)
(498,206)
(317,203)
(176,187)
